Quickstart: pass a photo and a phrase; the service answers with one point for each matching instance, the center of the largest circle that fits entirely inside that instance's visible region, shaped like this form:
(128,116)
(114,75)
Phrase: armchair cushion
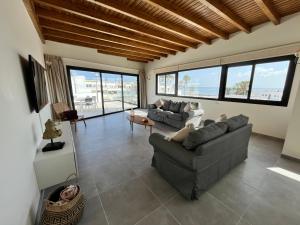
(204,135)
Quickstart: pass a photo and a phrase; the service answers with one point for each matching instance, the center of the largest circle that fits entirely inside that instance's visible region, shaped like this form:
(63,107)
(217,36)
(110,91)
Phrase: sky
(209,77)
(267,75)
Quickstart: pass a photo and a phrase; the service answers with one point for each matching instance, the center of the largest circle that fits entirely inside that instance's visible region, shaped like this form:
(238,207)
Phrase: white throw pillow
(188,107)
(158,103)
(180,135)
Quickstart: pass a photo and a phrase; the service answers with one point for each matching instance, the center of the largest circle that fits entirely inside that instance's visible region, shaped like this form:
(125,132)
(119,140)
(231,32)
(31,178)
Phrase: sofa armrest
(151,106)
(172,149)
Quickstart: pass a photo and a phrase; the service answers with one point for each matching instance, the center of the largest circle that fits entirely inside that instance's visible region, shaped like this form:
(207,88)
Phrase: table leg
(150,129)
(131,127)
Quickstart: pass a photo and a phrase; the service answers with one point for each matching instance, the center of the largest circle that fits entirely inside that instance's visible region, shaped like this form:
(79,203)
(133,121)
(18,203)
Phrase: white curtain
(59,89)
(143,89)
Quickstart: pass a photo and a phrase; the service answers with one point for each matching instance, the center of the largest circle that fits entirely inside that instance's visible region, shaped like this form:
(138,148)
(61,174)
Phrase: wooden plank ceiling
(145,30)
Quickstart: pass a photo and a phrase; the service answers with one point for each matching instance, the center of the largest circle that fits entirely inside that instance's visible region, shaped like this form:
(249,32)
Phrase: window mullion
(222,88)
(251,81)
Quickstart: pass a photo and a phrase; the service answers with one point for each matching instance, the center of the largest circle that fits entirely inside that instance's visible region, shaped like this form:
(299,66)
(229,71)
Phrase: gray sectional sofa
(173,113)
(205,156)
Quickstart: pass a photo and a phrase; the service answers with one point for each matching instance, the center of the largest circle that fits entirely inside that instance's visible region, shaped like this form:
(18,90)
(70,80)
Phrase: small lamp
(50,133)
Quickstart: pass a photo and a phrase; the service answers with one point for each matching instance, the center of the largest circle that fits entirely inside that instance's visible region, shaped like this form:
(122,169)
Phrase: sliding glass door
(130,91)
(87,92)
(112,92)
(97,93)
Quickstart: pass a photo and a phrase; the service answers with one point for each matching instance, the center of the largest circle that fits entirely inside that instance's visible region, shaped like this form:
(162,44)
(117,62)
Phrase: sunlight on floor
(285,173)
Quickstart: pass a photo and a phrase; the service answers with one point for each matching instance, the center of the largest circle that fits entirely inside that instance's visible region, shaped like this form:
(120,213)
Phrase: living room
(186,112)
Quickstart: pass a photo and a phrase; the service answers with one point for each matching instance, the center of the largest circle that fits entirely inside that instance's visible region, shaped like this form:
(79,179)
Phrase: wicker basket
(67,214)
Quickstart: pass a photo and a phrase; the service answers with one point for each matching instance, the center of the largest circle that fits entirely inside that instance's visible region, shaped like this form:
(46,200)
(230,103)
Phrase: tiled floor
(122,189)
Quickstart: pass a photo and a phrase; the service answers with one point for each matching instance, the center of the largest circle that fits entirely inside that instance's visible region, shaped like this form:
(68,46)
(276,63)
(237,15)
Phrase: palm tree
(241,88)
(186,80)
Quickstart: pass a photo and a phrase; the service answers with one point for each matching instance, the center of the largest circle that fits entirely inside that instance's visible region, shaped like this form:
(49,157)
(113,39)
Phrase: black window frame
(165,75)
(70,67)
(286,91)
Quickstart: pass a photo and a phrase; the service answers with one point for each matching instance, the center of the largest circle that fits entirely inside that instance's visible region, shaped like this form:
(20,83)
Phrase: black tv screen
(38,89)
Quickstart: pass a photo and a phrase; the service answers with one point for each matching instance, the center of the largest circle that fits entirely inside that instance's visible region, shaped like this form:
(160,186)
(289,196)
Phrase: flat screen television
(38,87)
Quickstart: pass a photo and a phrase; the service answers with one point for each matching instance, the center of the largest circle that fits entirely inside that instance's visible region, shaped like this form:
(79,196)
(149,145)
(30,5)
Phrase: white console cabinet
(54,167)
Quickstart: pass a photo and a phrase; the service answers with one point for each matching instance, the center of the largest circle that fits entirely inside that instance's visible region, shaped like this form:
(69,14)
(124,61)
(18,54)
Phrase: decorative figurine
(50,133)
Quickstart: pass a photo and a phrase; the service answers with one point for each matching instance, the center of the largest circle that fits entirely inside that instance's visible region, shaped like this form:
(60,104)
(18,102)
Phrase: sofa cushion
(175,107)
(174,116)
(166,105)
(182,106)
(204,135)
(156,114)
(236,122)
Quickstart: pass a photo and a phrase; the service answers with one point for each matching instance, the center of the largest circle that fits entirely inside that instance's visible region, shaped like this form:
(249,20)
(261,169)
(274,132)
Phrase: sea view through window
(265,81)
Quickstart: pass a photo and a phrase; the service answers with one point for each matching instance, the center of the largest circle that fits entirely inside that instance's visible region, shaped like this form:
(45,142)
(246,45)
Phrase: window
(269,81)
(166,84)
(238,81)
(265,81)
(203,83)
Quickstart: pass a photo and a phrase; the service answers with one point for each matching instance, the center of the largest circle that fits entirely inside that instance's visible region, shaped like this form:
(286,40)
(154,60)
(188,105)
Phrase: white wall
(20,129)
(88,57)
(268,120)
(292,141)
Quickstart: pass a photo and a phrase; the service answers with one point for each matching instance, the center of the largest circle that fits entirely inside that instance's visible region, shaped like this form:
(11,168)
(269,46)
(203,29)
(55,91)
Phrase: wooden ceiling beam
(165,47)
(126,10)
(54,25)
(94,12)
(268,9)
(136,60)
(126,52)
(122,54)
(72,42)
(227,14)
(180,14)
(98,42)
(30,7)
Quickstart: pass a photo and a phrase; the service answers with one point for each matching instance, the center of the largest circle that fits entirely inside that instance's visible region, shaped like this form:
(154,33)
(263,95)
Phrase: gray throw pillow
(237,122)
(166,105)
(204,135)
(182,106)
(174,107)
